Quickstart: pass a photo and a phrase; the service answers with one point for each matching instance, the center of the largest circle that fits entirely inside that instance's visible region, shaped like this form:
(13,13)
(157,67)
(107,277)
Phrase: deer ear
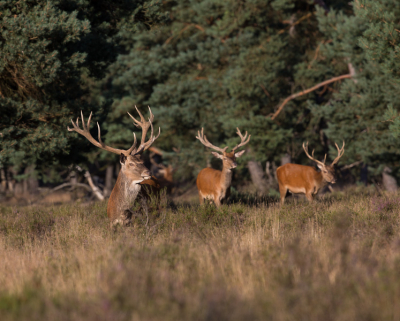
(122,159)
(238,154)
(217,155)
(320,166)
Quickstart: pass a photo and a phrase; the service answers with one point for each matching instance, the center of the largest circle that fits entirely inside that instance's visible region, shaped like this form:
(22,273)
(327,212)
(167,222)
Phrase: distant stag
(166,175)
(305,179)
(132,173)
(214,184)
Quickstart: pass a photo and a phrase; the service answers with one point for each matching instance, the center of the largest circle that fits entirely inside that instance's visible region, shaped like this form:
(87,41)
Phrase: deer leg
(217,201)
(201,199)
(309,196)
(124,219)
(282,191)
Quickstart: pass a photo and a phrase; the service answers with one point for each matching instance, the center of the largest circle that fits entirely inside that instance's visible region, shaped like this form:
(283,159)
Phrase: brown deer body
(165,177)
(214,184)
(133,172)
(300,179)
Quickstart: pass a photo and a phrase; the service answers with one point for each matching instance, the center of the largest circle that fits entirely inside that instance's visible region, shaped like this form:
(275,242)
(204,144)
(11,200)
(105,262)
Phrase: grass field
(335,259)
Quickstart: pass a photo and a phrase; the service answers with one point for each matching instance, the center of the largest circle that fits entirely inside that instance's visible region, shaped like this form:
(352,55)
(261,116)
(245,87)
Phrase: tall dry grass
(335,259)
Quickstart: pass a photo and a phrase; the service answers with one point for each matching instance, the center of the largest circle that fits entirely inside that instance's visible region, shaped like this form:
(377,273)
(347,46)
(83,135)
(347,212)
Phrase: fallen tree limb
(85,186)
(96,191)
(351,165)
(301,93)
(93,188)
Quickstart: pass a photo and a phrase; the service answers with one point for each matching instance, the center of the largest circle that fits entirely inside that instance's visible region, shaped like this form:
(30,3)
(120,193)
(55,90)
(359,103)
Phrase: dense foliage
(51,52)
(211,63)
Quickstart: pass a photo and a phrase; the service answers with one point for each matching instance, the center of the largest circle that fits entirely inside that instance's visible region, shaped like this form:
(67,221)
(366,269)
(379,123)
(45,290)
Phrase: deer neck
(129,189)
(226,178)
(320,180)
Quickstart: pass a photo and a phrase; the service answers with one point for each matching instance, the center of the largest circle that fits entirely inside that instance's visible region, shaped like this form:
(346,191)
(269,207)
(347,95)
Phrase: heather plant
(331,259)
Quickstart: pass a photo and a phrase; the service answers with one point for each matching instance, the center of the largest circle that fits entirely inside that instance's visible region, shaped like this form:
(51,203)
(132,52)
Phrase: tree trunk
(388,181)
(286,159)
(271,175)
(109,181)
(3,186)
(30,183)
(10,180)
(73,177)
(258,177)
(364,174)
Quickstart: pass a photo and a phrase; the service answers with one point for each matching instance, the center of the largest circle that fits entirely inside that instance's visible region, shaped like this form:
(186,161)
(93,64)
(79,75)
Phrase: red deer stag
(214,184)
(132,173)
(166,177)
(305,179)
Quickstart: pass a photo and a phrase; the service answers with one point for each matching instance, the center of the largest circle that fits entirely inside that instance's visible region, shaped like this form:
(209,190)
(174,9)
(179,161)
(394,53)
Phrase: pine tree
(219,65)
(355,111)
(51,54)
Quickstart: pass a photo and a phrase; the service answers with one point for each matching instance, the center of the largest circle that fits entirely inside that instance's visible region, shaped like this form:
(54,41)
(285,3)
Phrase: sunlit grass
(335,259)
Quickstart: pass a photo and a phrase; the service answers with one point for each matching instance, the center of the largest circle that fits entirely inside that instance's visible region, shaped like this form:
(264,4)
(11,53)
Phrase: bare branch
(351,165)
(326,82)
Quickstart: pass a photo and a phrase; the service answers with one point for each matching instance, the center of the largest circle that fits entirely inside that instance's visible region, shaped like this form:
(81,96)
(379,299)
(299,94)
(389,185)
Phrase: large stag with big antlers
(300,179)
(132,173)
(214,184)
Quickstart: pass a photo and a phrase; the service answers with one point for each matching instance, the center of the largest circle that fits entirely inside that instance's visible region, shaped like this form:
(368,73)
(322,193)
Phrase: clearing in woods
(335,259)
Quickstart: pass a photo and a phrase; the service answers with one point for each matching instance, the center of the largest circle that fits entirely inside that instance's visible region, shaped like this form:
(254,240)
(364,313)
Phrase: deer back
(299,178)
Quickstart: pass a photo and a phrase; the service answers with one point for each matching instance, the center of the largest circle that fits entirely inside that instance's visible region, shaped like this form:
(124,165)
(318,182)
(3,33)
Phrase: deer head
(228,159)
(327,171)
(131,163)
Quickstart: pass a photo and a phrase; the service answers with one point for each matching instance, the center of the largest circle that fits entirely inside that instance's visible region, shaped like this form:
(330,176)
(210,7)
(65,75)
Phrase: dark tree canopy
(210,63)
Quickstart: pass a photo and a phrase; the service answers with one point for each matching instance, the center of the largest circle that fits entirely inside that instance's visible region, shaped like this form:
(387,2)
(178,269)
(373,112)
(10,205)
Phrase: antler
(305,147)
(340,153)
(243,139)
(85,132)
(203,139)
(145,127)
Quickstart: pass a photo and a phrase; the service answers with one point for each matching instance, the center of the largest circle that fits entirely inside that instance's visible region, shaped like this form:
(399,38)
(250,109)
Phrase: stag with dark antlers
(132,173)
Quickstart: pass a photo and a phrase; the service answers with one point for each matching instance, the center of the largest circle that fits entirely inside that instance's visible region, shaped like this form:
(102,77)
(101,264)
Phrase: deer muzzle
(146,174)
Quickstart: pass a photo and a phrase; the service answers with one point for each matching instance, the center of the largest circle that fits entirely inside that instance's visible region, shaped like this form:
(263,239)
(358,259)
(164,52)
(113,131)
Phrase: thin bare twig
(265,91)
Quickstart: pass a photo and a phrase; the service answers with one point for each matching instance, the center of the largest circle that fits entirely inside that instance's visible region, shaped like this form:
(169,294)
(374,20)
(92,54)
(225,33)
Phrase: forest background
(213,64)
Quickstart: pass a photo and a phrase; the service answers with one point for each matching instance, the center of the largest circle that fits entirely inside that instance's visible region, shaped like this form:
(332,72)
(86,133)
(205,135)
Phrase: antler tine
(244,139)
(305,147)
(135,121)
(83,122)
(151,118)
(99,134)
(74,125)
(340,153)
(145,127)
(130,150)
(203,139)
